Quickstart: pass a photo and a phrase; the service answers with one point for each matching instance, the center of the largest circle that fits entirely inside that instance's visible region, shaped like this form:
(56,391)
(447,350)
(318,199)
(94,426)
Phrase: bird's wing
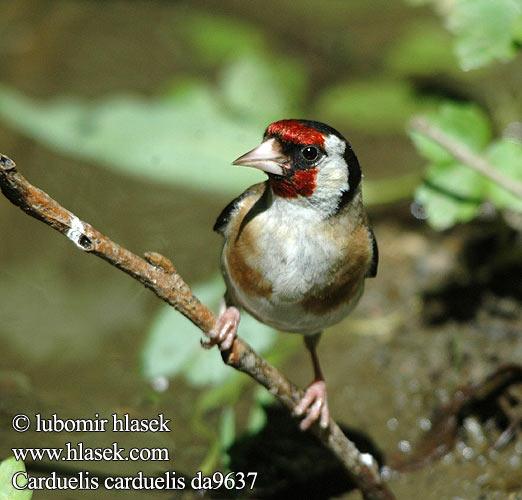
(252,194)
(372,271)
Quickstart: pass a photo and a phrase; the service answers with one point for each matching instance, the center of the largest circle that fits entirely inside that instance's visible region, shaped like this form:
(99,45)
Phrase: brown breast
(347,280)
(240,251)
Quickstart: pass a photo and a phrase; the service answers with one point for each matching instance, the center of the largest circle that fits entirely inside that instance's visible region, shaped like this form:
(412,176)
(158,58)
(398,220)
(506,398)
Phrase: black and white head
(308,162)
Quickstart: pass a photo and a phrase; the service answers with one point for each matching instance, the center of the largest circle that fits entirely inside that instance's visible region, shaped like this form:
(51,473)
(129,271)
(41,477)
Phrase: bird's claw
(315,402)
(225,331)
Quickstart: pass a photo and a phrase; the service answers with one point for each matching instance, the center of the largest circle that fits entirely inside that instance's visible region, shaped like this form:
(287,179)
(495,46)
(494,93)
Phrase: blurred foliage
(8,468)
(453,192)
(486,30)
(263,98)
(466,122)
(424,49)
(184,138)
(374,105)
(227,432)
(257,416)
(171,348)
(218,39)
(507,155)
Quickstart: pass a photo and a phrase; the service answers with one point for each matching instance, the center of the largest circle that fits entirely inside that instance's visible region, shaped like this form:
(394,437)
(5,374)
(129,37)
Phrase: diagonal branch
(157,273)
(464,155)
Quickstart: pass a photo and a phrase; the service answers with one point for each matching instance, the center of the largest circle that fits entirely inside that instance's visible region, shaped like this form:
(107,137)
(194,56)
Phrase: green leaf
(458,179)
(257,415)
(186,140)
(452,193)
(8,468)
(372,105)
(227,432)
(256,419)
(254,81)
(466,123)
(506,155)
(423,50)
(172,347)
(219,39)
(486,30)
(254,87)
(517,31)
(443,211)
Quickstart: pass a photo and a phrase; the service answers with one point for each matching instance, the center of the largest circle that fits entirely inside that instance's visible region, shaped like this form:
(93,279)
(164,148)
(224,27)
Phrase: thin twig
(158,273)
(475,161)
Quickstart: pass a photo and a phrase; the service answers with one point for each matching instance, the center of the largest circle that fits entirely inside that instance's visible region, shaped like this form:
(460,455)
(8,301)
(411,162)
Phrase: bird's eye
(310,153)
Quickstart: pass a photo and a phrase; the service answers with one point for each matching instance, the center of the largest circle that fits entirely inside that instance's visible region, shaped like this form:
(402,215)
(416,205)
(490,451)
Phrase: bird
(297,247)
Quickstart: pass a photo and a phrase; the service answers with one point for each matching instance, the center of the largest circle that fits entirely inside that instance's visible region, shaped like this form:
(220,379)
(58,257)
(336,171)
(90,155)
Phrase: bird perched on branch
(298,246)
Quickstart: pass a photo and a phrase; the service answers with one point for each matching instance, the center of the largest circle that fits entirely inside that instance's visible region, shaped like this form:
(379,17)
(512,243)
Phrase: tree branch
(157,273)
(477,162)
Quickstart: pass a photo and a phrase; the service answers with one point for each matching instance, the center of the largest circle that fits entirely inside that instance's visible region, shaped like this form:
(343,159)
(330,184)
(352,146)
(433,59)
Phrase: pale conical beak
(267,157)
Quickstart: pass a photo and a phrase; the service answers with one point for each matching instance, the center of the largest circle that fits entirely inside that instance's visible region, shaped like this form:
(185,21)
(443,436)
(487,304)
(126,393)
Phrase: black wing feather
(372,271)
(225,215)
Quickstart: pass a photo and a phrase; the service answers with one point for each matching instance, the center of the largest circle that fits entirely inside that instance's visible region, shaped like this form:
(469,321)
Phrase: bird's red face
(290,153)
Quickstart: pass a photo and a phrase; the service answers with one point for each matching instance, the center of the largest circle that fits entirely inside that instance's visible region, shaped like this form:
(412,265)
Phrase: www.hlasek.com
(84,480)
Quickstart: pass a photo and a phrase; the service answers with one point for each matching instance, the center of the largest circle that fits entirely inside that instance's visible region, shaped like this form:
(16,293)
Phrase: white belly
(295,262)
(292,317)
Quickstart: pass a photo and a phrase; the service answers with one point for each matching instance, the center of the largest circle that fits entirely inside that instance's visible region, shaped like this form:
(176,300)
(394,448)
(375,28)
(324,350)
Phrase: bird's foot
(225,331)
(315,402)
